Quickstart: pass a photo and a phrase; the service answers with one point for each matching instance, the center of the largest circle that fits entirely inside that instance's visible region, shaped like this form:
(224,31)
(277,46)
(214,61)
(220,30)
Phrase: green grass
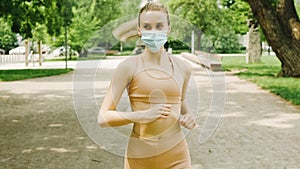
(264,74)
(12,75)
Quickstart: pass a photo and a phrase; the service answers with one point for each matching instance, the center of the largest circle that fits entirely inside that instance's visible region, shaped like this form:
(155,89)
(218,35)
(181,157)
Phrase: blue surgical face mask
(154,39)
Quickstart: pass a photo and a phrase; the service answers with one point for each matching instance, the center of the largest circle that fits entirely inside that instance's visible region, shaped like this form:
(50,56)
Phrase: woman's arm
(109,117)
(187,118)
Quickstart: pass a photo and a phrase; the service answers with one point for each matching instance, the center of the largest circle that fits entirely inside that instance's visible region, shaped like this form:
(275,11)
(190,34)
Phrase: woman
(156,85)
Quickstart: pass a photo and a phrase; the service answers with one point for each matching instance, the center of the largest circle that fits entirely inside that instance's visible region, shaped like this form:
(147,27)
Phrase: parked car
(20,50)
(60,51)
(96,50)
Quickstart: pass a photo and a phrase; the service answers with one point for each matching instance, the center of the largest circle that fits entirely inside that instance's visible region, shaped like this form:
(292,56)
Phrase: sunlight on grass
(264,74)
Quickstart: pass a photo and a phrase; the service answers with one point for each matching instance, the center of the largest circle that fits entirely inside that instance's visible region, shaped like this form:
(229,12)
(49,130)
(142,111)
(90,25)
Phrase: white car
(17,51)
(59,51)
(96,50)
(62,50)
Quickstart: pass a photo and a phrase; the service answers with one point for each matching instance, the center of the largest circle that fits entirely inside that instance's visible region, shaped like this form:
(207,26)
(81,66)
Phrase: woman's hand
(161,111)
(188,120)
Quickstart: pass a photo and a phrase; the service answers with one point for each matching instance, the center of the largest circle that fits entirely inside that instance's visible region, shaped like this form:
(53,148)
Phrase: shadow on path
(40,129)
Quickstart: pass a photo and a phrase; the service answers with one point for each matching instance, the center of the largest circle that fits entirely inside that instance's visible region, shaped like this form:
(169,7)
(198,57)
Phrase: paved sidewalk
(49,64)
(40,127)
(35,65)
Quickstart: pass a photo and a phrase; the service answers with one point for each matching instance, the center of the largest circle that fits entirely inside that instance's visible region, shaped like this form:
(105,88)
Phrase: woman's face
(153,20)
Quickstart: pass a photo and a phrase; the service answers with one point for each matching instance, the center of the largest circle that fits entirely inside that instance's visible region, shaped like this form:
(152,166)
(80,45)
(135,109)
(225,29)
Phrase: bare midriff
(159,128)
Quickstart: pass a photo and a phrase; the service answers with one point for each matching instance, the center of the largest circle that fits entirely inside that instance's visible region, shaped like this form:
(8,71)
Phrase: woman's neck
(155,58)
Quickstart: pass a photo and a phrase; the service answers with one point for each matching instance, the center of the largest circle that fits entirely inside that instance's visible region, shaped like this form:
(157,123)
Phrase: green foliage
(227,43)
(8,39)
(21,74)
(40,33)
(238,12)
(65,11)
(106,10)
(88,21)
(83,27)
(264,74)
(297,6)
(54,21)
(60,15)
(129,7)
(5,6)
(181,31)
(177,45)
(213,20)
(200,13)
(26,15)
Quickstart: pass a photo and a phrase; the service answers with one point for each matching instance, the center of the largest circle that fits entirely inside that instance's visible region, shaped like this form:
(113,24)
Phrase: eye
(159,26)
(147,26)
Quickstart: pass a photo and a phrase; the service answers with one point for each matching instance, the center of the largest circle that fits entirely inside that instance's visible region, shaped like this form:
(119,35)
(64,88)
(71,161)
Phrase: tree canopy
(7,38)
(220,21)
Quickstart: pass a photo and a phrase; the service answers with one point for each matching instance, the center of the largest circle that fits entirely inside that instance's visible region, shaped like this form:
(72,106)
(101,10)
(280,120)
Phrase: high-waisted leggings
(166,153)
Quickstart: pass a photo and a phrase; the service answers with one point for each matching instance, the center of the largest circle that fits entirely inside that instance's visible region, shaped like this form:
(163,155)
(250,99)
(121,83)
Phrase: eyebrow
(155,23)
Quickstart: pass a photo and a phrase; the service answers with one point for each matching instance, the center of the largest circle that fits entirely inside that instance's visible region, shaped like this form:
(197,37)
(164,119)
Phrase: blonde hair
(153,6)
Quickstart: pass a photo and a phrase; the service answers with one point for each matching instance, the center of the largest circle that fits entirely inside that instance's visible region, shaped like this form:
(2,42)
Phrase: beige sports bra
(154,85)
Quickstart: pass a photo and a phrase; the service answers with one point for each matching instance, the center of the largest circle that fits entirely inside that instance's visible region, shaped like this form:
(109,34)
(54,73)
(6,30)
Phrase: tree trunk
(26,52)
(198,42)
(281,27)
(40,52)
(253,54)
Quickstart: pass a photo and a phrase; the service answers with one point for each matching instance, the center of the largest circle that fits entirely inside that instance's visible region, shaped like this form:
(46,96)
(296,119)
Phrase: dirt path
(40,128)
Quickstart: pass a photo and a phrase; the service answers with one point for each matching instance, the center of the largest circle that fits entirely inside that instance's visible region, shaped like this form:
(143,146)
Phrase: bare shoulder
(128,62)
(127,66)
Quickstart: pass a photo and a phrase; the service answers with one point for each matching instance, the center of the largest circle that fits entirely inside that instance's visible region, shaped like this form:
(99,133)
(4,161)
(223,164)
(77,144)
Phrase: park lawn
(21,74)
(264,74)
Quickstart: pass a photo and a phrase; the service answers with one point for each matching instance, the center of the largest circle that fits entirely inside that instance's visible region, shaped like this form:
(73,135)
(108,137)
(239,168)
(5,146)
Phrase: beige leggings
(167,153)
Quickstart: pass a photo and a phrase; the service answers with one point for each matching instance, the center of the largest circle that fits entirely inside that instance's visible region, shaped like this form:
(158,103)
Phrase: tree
(25,15)
(280,24)
(8,39)
(239,12)
(89,17)
(211,19)
(40,35)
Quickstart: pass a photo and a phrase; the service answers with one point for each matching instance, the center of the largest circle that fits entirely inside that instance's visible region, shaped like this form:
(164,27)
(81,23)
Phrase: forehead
(154,17)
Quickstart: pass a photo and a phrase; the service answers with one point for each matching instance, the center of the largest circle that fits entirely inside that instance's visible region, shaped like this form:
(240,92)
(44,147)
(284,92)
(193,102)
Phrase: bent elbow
(103,125)
(101,122)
